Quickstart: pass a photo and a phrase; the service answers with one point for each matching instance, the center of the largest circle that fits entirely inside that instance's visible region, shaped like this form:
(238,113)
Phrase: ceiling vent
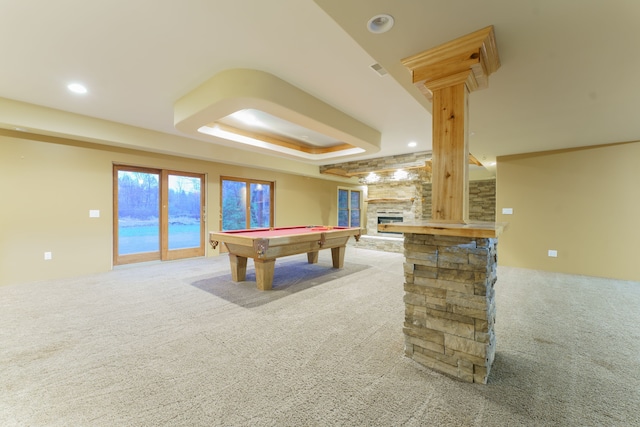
(378,69)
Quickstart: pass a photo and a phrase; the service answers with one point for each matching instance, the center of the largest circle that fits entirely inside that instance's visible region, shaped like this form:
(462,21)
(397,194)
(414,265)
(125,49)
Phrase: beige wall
(49,185)
(584,203)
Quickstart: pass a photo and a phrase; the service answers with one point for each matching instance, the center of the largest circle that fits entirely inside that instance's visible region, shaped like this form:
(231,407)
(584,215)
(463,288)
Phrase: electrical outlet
(47,256)
(553,253)
(94,213)
(507,211)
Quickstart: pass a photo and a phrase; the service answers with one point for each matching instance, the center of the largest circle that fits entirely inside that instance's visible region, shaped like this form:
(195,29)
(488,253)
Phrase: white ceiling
(568,76)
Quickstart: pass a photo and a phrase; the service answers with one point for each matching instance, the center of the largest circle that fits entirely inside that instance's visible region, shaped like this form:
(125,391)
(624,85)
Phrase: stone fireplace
(387,212)
(405,195)
(382,219)
(394,186)
(394,201)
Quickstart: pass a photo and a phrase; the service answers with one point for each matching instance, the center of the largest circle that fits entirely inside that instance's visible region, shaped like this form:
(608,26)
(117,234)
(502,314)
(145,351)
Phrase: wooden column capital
(471,58)
(446,74)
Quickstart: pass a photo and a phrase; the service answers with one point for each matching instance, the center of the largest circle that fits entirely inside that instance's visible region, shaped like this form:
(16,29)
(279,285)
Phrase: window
(157,214)
(246,203)
(349,202)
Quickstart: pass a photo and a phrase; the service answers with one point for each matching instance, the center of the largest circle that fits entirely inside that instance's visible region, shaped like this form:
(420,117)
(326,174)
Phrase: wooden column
(451,263)
(450,164)
(447,74)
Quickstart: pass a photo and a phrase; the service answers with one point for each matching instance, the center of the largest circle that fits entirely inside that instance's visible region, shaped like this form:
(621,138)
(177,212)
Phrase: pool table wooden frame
(264,245)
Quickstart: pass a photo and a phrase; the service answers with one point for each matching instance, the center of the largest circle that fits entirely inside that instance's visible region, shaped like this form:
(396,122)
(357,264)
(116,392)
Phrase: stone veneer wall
(482,200)
(400,161)
(450,304)
(397,189)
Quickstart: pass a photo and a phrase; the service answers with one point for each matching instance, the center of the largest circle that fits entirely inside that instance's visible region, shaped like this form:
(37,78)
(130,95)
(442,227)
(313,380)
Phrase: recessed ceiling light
(380,23)
(400,174)
(77,88)
(412,144)
(372,177)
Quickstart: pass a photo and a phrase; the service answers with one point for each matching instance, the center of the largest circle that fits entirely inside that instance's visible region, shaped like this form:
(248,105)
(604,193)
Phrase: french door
(158,214)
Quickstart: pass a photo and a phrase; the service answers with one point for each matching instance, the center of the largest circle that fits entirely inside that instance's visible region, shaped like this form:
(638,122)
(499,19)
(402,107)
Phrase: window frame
(248,182)
(350,207)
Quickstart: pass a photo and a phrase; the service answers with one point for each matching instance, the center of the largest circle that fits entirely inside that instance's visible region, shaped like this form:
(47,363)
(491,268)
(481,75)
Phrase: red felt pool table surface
(265,245)
(283,231)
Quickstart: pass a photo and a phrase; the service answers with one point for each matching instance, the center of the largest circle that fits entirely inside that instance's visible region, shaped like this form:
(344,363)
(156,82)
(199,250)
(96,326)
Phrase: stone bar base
(449,303)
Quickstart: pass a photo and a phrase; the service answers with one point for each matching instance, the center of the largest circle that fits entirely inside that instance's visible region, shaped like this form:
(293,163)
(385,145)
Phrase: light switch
(553,253)
(507,211)
(94,213)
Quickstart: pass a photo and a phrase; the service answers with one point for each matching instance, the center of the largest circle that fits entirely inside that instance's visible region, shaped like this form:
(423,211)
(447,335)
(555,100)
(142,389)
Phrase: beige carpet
(179,344)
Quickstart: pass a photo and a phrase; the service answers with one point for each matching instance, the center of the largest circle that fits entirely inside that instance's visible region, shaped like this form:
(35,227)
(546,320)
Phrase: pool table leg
(312,257)
(337,256)
(238,267)
(264,273)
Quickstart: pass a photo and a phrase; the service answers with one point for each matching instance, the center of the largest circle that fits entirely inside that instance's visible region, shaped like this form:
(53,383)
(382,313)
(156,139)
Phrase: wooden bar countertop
(475,229)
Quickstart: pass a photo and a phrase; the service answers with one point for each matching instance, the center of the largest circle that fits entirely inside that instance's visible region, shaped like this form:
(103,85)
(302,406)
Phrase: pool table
(264,245)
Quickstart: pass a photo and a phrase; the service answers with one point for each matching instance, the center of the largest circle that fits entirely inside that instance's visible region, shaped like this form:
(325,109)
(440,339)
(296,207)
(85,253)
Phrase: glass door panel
(184,212)
(260,206)
(138,216)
